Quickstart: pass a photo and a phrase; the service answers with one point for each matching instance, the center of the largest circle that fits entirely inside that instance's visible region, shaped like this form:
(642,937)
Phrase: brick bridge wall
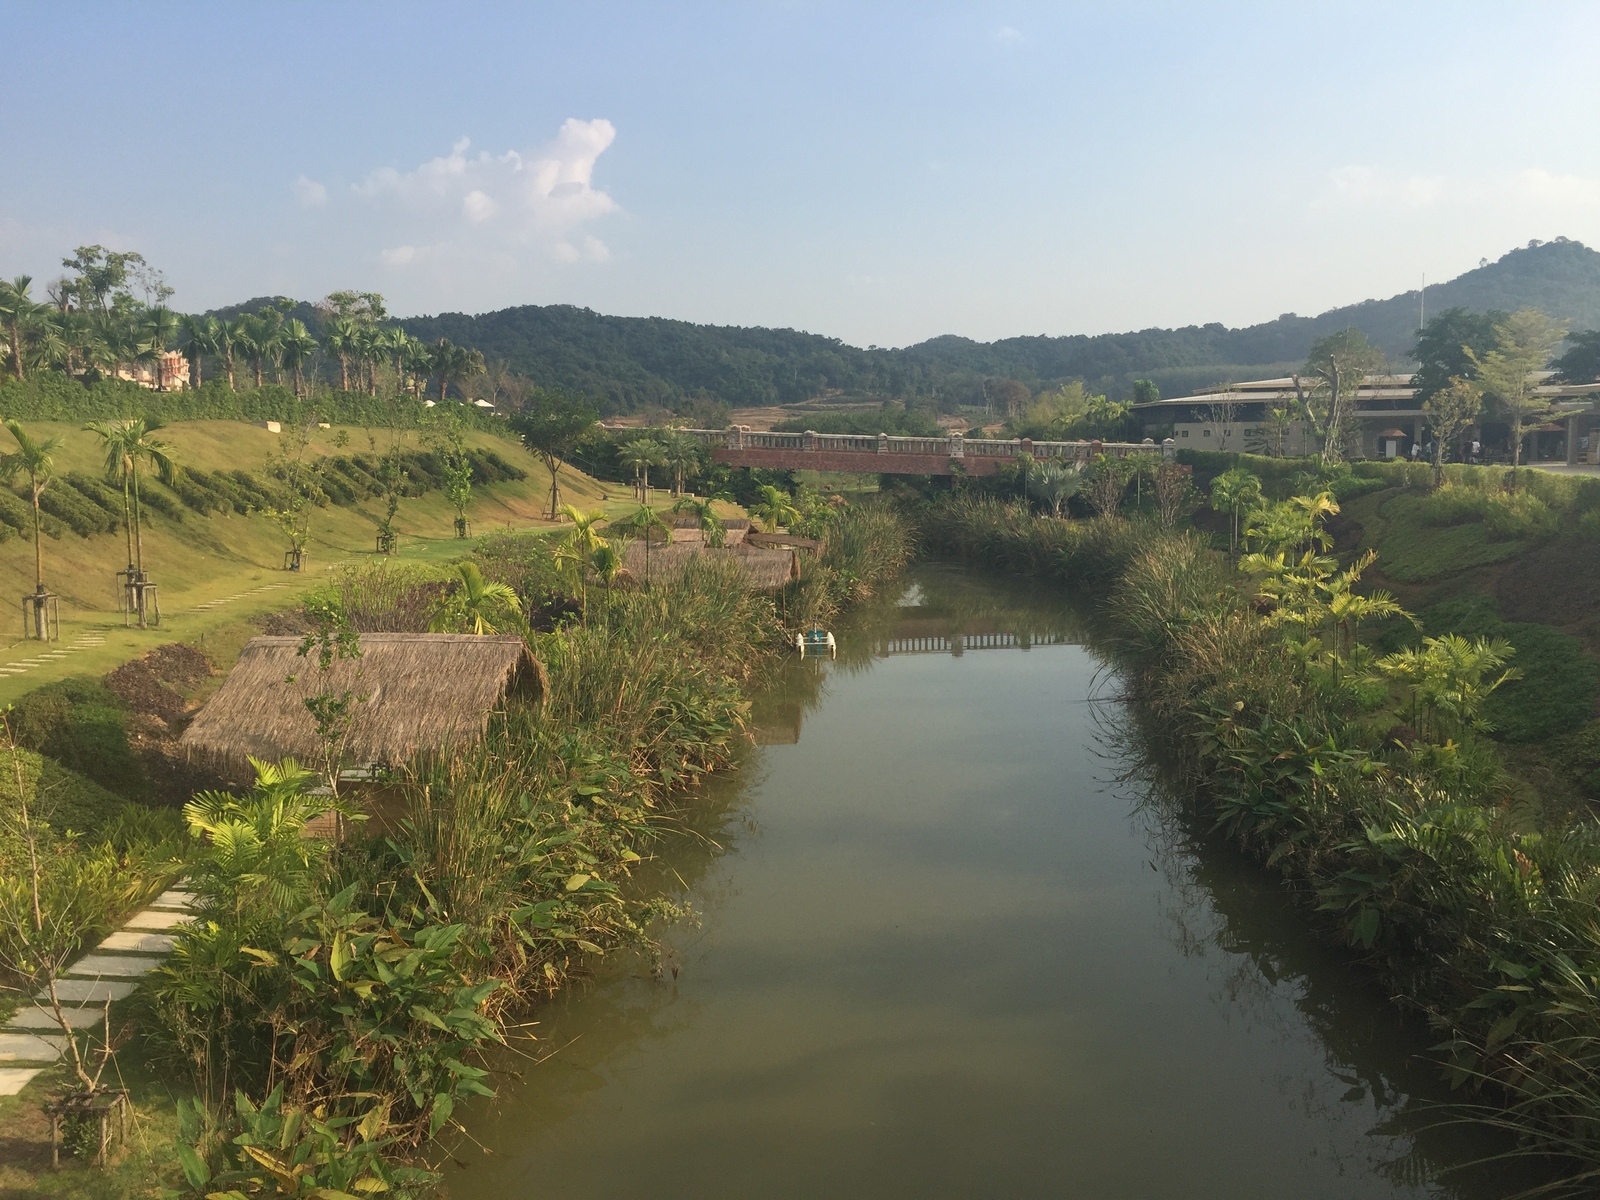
(857,460)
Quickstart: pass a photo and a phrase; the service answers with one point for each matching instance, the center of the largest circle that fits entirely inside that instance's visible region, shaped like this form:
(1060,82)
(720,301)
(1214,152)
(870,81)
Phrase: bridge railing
(953,446)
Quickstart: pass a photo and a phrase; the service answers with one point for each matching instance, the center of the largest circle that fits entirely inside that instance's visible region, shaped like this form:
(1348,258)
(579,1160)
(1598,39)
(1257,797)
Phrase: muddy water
(943,952)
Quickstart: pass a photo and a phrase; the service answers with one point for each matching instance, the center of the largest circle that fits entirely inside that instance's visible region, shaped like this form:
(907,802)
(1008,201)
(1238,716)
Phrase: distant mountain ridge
(633,362)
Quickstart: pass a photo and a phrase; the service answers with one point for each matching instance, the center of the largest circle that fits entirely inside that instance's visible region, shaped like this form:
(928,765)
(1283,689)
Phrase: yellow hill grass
(233,565)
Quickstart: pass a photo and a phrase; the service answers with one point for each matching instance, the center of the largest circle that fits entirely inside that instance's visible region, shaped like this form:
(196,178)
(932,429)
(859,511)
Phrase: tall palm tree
(641,454)
(417,360)
(682,454)
(339,340)
(128,444)
(157,330)
(371,349)
(15,309)
(36,460)
(297,346)
(200,338)
(113,435)
(232,335)
(454,364)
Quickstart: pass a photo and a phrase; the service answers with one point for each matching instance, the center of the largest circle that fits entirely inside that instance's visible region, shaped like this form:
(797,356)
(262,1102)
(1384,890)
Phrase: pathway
(32,1039)
(87,640)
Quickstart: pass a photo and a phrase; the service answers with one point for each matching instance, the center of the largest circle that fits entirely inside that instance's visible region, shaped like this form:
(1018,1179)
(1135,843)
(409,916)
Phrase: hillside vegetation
(635,362)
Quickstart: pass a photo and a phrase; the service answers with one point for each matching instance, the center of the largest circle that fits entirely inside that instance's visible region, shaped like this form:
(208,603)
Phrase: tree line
(108,317)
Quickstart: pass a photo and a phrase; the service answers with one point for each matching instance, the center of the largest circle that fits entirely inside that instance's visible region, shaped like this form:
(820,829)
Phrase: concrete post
(883,443)
(957,446)
(1169,449)
(808,440)
(1572,440)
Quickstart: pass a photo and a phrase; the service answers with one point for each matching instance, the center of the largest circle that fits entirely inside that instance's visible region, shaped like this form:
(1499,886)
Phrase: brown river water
(947,947)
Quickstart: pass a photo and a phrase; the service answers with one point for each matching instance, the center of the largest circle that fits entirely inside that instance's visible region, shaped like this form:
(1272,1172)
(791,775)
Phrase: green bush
(82,724)
(1504,515)
(1559,683)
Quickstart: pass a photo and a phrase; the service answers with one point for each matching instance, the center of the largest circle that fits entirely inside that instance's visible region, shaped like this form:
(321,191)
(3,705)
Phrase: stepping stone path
(221,600)
(87,640)
(32,1039)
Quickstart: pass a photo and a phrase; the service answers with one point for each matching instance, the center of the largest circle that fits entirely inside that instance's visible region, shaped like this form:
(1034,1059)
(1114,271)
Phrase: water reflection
(948,948)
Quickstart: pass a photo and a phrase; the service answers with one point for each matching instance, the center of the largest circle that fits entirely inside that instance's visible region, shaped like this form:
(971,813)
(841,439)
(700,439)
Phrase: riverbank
(1365,780)
(356,983)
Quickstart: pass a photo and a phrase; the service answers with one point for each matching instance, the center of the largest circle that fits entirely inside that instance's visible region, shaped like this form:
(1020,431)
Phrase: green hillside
(216,566)
(634,362)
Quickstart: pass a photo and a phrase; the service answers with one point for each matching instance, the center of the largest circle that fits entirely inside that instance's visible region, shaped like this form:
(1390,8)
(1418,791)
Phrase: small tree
(1058,483)
(774,509)
(35,459)
(1235,492)
(302,488)
(1327,385)
(1524,342)
(332,639)
(1174,493)
(553,425)
(1450,411)
(641,454)
(1107,480)
(1222,420)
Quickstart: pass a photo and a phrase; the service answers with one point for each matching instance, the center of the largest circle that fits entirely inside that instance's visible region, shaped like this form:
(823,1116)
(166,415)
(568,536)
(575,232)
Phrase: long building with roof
(1259,417)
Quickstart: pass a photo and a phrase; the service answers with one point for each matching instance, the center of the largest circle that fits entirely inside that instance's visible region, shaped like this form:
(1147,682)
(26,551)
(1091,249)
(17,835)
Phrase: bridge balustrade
(954,446)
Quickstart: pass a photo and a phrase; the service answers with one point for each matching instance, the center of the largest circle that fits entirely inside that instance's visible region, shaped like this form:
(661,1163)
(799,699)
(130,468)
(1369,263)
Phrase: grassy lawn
(1412,550)
(213,570)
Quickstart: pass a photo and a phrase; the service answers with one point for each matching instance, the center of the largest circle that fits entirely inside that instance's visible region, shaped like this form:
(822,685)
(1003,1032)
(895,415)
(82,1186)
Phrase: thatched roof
(687,529)
(422,691)
(787,541)
(765,570)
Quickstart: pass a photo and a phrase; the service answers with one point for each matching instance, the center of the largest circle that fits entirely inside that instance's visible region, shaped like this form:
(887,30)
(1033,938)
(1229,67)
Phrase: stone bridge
(888,454)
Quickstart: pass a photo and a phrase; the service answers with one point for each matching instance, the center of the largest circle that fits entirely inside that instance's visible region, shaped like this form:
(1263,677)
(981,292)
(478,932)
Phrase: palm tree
(1058,483)
(705,515)
(775,509)
(159,328)
(1235,492)
(36,459)
(339,340)
(454,364)
(232,334)
(370,350)
(127,444)
(578,547)
(297,346)
(200,338)
(15,309)
(641,454)
(644,524)
(477,605)
(417,360)
(681,453)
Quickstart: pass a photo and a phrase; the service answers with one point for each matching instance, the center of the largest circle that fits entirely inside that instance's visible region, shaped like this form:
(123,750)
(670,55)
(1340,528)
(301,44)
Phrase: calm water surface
(943,953)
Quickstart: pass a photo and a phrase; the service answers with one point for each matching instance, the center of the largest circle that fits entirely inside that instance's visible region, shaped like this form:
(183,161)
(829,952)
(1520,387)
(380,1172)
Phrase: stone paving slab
(95,966)
(173,898)
(12,1078)
(91,991)
(31,1047)
(138,941)
(152,918)
(36,1018)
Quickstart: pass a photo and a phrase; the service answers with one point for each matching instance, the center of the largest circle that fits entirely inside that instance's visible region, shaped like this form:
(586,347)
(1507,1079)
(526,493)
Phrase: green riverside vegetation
(335,1004)
(1360,763)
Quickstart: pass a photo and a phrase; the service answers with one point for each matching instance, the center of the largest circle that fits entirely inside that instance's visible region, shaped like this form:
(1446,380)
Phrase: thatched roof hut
(686,528)
(764,570)
(422,691)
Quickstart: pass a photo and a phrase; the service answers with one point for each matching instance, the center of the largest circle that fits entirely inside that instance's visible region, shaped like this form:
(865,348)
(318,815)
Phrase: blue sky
(877,172)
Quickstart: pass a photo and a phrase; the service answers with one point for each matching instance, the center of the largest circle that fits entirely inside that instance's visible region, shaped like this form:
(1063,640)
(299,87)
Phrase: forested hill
(631,362)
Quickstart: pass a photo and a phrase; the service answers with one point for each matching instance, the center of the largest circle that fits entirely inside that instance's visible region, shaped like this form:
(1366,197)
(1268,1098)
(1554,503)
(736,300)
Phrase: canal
(947,945)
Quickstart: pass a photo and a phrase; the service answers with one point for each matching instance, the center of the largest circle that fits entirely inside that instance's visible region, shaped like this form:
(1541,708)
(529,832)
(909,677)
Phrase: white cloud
(1556,190)
(309,193)
(1358,186)
(1007,36)
(472,211)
